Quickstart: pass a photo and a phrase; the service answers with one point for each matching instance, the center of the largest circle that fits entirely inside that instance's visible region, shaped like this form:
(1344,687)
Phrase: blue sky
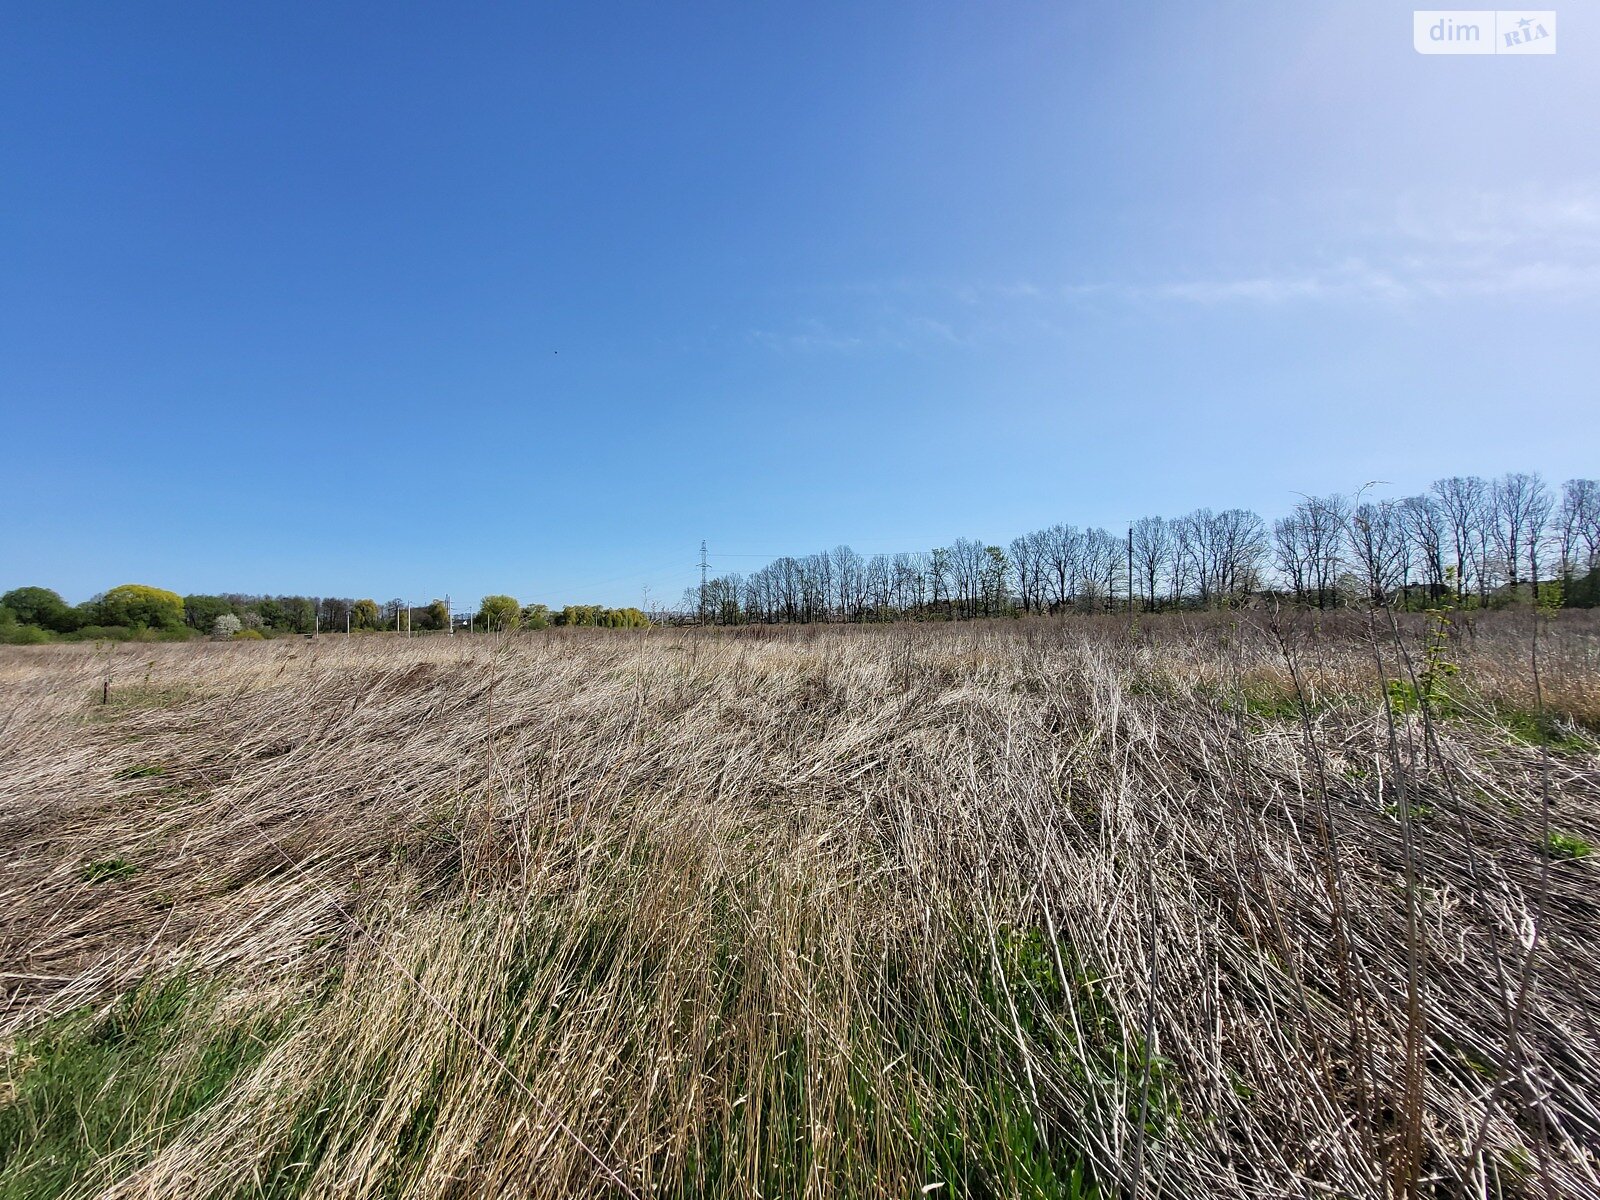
(396,300)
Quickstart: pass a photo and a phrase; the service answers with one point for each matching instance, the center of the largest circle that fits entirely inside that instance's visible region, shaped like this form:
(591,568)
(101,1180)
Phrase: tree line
(1466,541)
(138,611)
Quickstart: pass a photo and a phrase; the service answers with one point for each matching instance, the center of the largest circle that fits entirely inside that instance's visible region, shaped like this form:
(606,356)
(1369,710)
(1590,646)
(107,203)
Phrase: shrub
(23,635)
(226,626)
(107,633)
(249,635)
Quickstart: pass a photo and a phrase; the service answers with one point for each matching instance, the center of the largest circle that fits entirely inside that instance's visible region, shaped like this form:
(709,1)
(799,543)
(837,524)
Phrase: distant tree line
(1466,540)
(137,611)
(503,614)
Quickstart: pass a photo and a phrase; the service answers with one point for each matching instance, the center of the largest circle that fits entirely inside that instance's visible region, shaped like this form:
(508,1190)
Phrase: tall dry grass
(1196,906)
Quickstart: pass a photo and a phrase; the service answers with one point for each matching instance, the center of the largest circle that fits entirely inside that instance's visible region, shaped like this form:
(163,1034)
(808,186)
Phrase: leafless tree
(1378,548)
(1578,526)
(1309,546)
(969,559)
(1464,500)
(1521,513)
(1152,553)
(1426,530)
(1063,550)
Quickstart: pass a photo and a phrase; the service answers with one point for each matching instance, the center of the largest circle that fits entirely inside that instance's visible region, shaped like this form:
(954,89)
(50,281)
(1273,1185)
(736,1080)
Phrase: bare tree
(1025,562)
(1465,504)
(1378,546)
(1426,529)
(1462,532)
(1290,556)
(1063,546)
(879,587)
(1152,552)
(1101,553)
(1521,515)
(996,581)
(969,560)
(1579,526)
(1227,549)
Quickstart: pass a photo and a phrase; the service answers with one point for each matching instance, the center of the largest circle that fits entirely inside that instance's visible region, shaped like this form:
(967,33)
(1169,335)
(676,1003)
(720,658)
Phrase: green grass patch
(982,1132)
(1267,700)
(1534,728)
(85,1099)
(1271,703)
(141,771)
(101,870)
(132,697)
(1566,845)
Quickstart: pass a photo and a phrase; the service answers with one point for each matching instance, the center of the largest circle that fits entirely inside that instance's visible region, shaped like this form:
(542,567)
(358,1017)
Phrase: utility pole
(702,579)
(449,616)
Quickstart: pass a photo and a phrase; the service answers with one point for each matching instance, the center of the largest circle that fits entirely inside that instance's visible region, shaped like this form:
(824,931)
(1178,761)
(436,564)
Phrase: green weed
(141,771)
(1566,845)
(103,869)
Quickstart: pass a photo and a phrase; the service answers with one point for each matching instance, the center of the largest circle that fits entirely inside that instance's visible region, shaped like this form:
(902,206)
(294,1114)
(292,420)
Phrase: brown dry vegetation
(1036,908)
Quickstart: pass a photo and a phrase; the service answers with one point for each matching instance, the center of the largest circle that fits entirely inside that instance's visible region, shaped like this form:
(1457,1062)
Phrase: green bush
(23,635)
(101,633)
(249,635)
(598,616)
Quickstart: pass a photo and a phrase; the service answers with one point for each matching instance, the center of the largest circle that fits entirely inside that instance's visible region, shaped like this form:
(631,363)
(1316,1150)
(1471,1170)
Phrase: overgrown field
(1199,906)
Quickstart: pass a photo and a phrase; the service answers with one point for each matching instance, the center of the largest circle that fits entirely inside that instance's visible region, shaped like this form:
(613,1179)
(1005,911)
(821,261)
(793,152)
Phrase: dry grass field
(1196,906)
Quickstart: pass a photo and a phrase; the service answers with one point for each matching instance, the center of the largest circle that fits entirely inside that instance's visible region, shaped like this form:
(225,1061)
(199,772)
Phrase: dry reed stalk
(1013,908)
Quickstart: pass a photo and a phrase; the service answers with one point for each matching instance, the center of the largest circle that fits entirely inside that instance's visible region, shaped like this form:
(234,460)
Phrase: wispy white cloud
(1407,281)
(810,337)
(1562,219)
(1532,246)
(890,329)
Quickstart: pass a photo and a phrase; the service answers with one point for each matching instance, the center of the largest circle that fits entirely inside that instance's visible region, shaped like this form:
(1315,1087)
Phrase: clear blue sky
(395,300)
